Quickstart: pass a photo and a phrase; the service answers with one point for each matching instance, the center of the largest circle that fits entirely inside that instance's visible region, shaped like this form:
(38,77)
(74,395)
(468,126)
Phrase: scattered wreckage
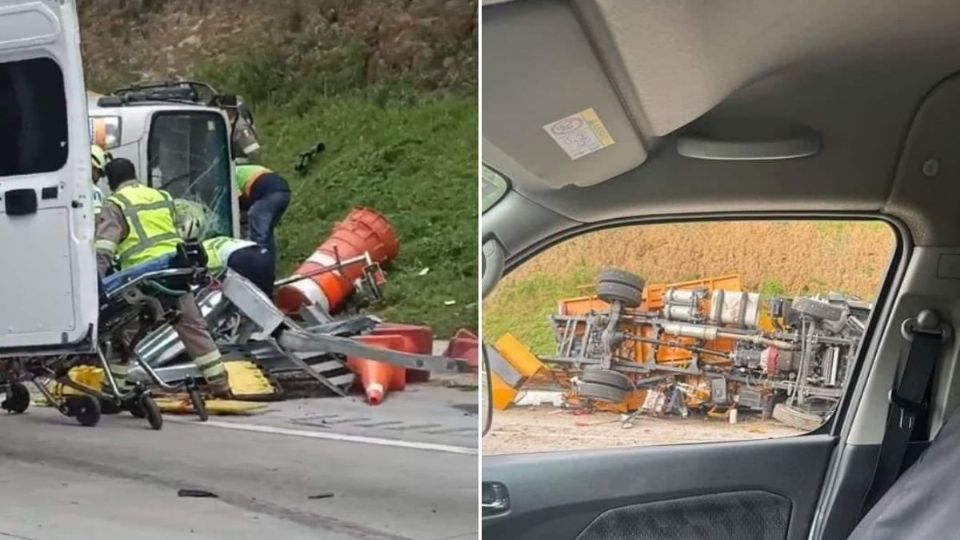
(704,345)
(179,135)
(300,336)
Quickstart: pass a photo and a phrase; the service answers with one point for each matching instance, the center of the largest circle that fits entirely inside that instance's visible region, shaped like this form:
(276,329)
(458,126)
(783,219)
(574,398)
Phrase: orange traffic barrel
(362,231)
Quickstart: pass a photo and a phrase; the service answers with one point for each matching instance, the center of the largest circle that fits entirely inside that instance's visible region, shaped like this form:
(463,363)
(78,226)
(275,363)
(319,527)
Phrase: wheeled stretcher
(133,302)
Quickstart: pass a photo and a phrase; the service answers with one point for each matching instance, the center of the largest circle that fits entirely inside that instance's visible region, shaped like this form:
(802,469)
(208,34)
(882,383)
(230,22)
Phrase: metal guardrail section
(315,351)
(326,369)
(296,340)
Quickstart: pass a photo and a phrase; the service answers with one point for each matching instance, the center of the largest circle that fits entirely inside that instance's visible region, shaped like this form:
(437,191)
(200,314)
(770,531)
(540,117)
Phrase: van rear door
(48,284)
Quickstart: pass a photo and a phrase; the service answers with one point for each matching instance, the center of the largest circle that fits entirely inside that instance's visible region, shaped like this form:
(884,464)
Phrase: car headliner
(872,78)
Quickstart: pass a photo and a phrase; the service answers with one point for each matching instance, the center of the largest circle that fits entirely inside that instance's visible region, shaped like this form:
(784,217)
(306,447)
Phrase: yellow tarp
(218,407)
(246,381)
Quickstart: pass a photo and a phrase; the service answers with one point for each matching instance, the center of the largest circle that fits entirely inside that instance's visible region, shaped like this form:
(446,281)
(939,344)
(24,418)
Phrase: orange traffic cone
(377,378)
(374,377)
(362,231)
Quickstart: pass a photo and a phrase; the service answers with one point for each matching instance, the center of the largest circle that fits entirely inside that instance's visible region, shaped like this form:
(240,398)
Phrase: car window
(33,117)
(695,332)
(495,186)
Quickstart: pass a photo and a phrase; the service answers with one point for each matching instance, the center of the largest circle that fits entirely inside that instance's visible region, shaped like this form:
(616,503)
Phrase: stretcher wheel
(108,406)
(136,408)
(199,405)
(18,398)
(86,410)
(152,411)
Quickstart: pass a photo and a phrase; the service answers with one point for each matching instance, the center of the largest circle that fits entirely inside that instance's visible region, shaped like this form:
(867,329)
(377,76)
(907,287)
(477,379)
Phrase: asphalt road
(322,468)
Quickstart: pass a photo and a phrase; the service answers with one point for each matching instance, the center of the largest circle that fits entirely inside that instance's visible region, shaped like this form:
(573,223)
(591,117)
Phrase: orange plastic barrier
(465,344)
(422,338)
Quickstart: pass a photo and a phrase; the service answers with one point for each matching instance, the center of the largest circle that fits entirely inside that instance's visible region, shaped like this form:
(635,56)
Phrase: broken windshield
(188,156)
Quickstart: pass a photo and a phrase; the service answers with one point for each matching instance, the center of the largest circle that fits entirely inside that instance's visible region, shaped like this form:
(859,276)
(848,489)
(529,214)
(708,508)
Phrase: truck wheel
(607,377)
(796,419)
(619,276)
(611,291)
(817,309)
(602,392)
(618,286)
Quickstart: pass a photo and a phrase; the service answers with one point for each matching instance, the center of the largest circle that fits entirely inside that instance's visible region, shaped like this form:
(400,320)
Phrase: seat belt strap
(907,400)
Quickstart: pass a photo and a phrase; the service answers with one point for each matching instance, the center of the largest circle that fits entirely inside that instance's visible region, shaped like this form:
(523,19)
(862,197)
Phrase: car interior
(732,110)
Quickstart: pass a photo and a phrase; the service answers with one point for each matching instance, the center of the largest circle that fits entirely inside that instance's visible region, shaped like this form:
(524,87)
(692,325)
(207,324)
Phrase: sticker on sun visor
(580,134)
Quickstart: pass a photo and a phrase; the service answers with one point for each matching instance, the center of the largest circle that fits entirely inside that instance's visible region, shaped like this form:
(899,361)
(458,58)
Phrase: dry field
(772,257)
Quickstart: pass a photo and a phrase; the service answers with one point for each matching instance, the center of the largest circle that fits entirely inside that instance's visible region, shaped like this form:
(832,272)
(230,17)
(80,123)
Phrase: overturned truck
(705,345)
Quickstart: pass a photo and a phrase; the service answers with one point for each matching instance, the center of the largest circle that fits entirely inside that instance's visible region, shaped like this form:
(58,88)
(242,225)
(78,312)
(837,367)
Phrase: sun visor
(547,102)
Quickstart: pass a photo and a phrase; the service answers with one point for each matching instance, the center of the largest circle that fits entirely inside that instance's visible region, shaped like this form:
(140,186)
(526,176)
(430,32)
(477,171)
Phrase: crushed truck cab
(177,143)
(48,282)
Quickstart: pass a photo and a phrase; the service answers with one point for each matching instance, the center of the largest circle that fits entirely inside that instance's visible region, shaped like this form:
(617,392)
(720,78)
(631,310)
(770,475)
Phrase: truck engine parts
(706,345)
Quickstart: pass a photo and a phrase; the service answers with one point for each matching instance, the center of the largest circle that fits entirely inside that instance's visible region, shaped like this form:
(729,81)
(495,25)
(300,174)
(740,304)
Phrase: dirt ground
(546,429)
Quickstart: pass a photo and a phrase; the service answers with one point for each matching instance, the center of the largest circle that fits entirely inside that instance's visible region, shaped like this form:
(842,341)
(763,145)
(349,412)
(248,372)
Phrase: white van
(48,285)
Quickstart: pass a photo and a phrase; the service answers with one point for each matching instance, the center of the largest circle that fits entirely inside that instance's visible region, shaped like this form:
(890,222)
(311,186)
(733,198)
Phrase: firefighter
(138,224)
(264,195)
(98,160)
(244,257)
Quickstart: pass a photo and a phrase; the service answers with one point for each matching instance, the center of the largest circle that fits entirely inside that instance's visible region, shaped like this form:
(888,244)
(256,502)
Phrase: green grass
(523,308)
(415,161)
(770,288)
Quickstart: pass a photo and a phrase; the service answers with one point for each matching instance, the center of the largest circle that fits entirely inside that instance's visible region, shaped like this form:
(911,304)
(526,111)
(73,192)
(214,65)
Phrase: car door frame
(516,468)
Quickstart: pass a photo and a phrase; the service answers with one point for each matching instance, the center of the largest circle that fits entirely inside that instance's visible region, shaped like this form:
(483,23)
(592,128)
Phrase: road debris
(198,493)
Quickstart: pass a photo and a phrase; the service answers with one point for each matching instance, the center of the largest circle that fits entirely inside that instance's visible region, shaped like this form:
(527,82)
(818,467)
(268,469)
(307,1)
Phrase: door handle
(494,499)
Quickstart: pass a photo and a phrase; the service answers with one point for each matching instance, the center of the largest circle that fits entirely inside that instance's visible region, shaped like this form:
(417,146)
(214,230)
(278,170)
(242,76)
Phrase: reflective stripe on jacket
(151,224)
(247,175)
(220,248)
(246,147)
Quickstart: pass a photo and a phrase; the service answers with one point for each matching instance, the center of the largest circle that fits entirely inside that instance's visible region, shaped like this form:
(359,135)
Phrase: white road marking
(330,436)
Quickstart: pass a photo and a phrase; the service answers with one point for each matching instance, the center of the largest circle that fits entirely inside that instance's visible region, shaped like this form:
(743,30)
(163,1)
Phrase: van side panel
(48,279)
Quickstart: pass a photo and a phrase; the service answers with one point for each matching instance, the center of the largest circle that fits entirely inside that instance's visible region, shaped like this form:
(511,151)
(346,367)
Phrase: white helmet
(191,219)
(98,158)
